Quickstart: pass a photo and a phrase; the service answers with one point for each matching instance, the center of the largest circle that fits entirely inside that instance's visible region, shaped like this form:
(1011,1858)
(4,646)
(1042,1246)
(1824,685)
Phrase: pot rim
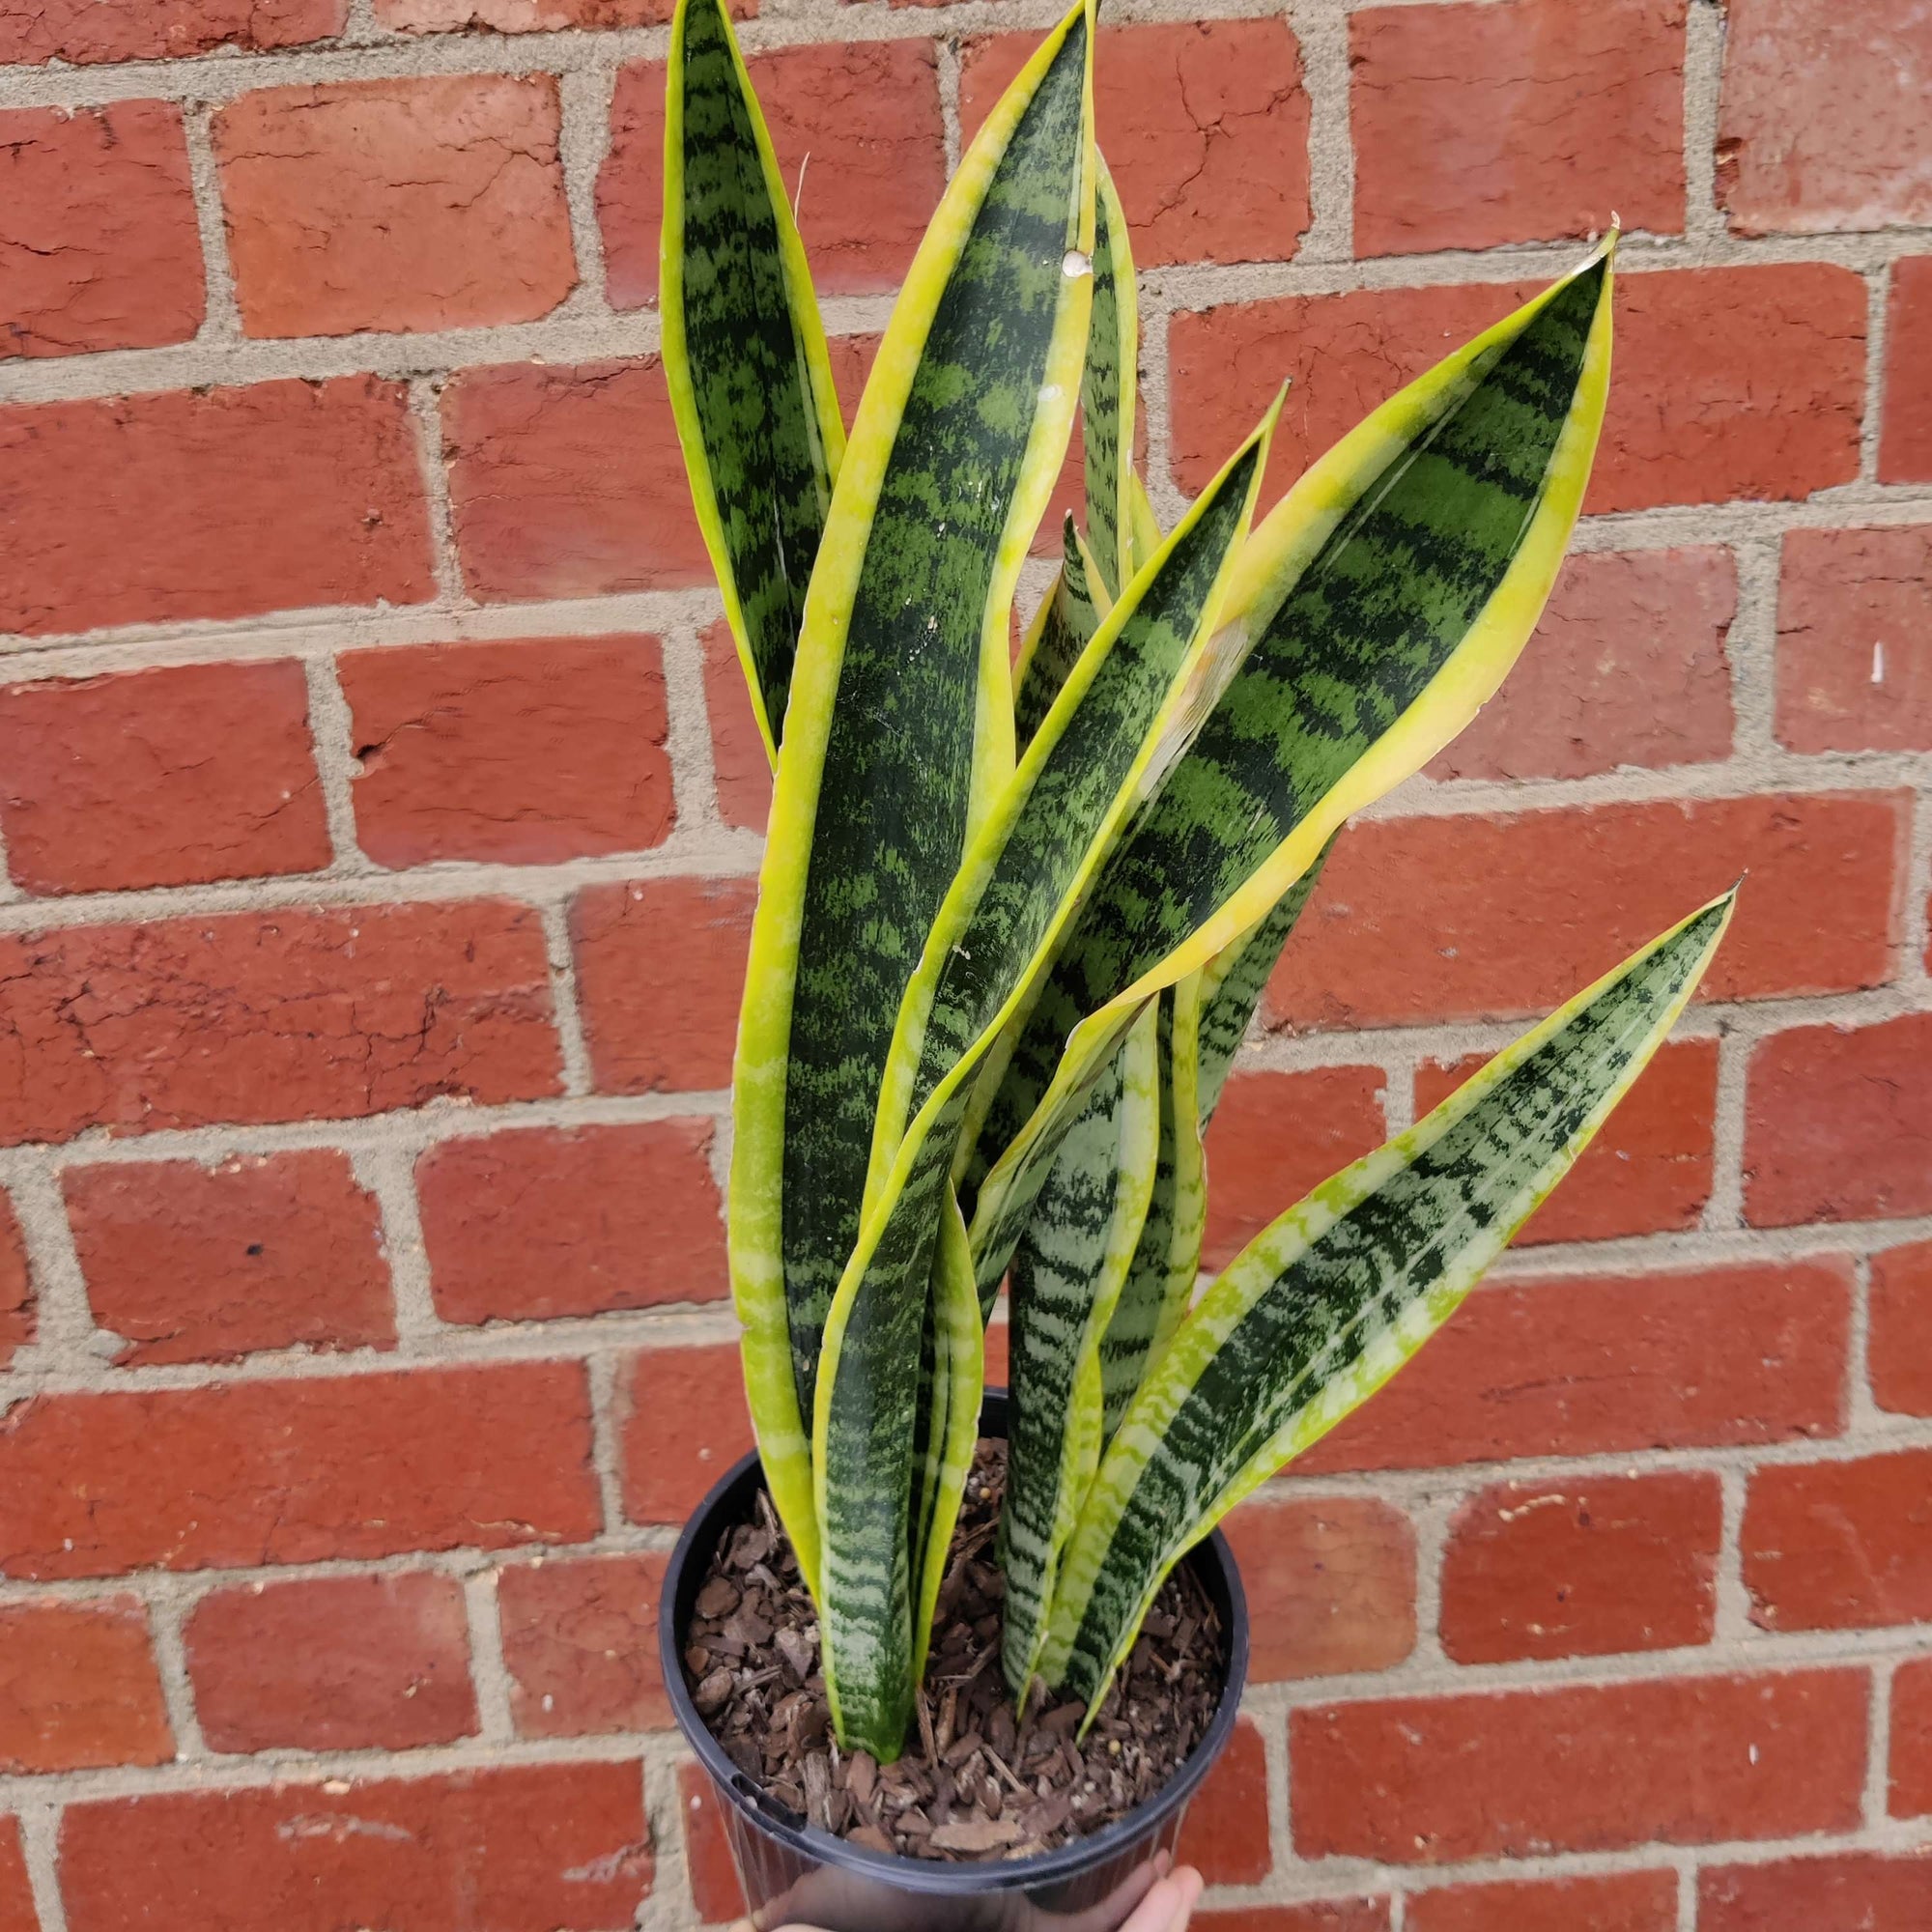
(931,1875)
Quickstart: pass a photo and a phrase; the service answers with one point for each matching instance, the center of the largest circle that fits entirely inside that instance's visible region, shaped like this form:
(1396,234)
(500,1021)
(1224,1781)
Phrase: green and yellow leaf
(1063,627)
(1107,396)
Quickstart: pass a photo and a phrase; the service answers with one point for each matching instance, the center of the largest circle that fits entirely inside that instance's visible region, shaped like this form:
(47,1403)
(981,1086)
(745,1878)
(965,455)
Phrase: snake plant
(1013,920)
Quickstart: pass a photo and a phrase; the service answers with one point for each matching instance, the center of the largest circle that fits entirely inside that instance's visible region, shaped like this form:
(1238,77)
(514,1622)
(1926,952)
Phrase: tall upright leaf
(900,730)
(1107,395)
(1063,627)
(1324,1305)
(743,353)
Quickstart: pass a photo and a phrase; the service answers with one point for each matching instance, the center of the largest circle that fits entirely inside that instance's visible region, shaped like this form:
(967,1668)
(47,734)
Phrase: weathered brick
(715,1889)
(1838,1124)
(1835,1545)
(1861,1892)
(1627,667)
(1817,129)
(630,185)
(1485,916)
(1900,1349)
(661,970)
(210,503)
(277,1015)
(685,1423)
(98,244)
(567,481)
(1853,609)
(1205,125)
(741,768)
(332,1663)
(1452,109)
(1731,382)
(87,31)
(524,752)
(18,1912)
(1583,1567)
(1225,1837)
(1421,1780)
(1905,435)
(193,1263)
(580,1644)
(1644,1902)
(1648,1170)
(1278,1135)
(516,1847)
(1330,1583)
(426,202)
(16,1286)
(78,1688)
(1321,1915)
(1909,1771)
(297,1471)
(1589,1365)
(160,778)
(551,1221)
(529,16)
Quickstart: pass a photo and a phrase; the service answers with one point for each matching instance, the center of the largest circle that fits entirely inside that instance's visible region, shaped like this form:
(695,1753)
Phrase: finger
(1157,1910)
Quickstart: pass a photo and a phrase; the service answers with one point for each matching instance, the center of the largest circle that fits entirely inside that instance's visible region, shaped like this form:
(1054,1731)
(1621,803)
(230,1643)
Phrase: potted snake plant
(953,1661)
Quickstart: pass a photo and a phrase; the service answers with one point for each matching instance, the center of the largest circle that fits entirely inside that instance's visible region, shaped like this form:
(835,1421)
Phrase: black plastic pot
(792,1873)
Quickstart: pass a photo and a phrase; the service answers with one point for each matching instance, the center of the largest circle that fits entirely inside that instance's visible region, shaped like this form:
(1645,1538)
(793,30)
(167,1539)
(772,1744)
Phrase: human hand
(1167,1907)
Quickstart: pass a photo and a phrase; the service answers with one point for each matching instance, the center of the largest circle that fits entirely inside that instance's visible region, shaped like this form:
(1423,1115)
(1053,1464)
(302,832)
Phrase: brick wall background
(379,814)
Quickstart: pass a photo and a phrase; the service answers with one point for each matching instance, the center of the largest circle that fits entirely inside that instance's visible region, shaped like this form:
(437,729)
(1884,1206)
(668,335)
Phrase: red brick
(1905,441)
(1900,1349)
(1322,1914)
(1648,1171)
(1619,1902)
(1832,1545)
(516,1847)
(567,482)
(332,1663)
(1452,108)
(580,1644)
(524,752)
(17,1289)
(1330,1583)
(741,768)
(192,1263)
(1856,1891)
(529,16)
(685,1425)
(1205,125)
(210,503)
(278,1015)
(299,1472)
(1489,917)
(1696,1760)
(99,247)
(78,1688)
(1731,382)
(1910,1769)
(1853,609)
(867,115)
(86,31)
(549,1221)
(661,971)
(1838,1124)
(431,202)
(1627,667)
(16,1892)
(1590,1365)
(715,1889)
(1818,129)
(160,778)
(1226,1833)
(1582,1569)
(1275,1137)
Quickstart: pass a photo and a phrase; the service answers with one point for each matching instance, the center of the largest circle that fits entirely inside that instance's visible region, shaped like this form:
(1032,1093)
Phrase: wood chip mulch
(973,1783)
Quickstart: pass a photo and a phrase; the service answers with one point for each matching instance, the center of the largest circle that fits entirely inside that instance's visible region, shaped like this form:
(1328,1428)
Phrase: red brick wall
(380,820)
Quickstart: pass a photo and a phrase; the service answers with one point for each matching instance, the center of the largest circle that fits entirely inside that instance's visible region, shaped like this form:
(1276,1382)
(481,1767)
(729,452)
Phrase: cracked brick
(78,1688)
(1837,1545)
(84,32)
(17,1287)
(683,1423)
(1900,1350)
(422,203)
(531,17)
(1905,436)
(1642,1901)
(580,1644)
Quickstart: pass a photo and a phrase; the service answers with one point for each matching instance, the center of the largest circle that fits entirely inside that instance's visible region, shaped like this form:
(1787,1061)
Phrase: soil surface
(975,1783)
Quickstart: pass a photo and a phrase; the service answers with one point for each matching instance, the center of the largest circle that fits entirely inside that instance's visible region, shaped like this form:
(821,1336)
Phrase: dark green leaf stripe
(1063,629)
(1107,392)
(1398,560)
(1065,1278)
(1125,710)
(745,354)
(1328,1303)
